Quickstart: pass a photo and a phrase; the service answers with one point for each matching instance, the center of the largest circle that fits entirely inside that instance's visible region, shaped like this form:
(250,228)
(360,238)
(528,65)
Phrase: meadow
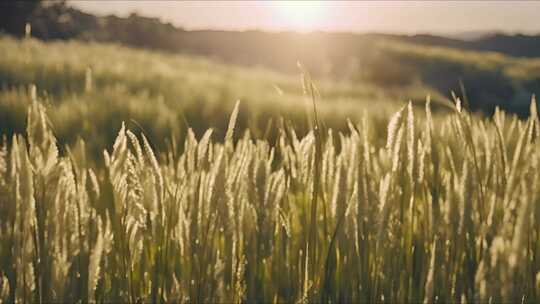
(90,88)
(197,198)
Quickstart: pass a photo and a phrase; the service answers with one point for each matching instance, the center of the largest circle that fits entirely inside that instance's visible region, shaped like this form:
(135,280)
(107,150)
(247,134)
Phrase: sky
(406,17)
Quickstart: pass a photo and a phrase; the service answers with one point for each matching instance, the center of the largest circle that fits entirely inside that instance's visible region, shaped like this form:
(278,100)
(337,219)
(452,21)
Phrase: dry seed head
(232,124)
(410,141)
(396,149)
(393,126)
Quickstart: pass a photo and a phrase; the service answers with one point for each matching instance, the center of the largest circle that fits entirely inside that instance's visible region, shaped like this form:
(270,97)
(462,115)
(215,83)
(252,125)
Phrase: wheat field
(448,210)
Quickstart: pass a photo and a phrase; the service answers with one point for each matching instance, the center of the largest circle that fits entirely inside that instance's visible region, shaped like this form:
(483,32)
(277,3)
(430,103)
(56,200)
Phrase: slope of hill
(518,45)
(92,87)
(392,62)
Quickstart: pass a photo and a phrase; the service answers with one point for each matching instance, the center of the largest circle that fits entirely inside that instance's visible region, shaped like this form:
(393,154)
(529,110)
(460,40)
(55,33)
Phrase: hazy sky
(354,16)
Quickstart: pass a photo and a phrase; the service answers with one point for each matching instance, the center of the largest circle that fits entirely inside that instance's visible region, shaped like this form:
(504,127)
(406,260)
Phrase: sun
(300,15)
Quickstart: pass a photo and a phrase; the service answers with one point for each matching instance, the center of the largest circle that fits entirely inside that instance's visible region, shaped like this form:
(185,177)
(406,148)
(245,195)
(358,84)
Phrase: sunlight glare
(300,15)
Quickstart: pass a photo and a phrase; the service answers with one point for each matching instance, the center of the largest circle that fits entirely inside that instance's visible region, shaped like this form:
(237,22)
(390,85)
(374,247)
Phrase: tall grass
(447,211)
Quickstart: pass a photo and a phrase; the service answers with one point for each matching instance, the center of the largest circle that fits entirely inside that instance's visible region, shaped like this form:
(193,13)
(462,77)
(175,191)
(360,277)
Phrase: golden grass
(446,211)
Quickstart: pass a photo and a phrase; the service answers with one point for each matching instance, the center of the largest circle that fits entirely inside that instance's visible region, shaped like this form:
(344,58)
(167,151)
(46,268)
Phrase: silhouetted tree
(15,14)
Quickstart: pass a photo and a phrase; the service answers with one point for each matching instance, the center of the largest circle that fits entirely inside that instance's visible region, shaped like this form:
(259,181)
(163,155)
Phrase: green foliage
(490,79)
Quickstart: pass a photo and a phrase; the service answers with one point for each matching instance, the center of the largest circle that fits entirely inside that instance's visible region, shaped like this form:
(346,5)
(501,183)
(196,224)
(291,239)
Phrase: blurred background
(165,66)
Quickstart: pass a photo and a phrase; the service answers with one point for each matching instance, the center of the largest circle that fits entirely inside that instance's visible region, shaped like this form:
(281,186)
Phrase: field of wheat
(447,210)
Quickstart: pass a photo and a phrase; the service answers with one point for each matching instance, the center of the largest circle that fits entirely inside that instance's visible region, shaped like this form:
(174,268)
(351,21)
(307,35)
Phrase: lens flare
(300,15)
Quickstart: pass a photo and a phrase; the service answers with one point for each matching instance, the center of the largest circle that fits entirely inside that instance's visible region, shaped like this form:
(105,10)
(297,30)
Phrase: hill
(92,87)
(518,45)
(494,70)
